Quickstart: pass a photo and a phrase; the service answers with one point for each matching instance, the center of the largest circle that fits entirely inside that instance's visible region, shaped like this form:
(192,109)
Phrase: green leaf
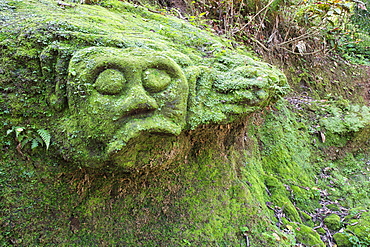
(20,138)
(9,131)
(18,130)
(34,143)
(39,140)
(244,229)
(25,141)
(44,134)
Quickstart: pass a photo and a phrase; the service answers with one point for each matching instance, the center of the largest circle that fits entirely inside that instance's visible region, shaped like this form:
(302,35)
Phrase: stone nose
(137,101)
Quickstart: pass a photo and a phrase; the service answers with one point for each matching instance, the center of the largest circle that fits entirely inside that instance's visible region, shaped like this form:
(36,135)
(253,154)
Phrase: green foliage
(44,134)
(290,27)
(346,28)
(348,176)
(349,118)
(222,166)
(358,242)
(336,121)
(29,135)
(362,16)
(295,27)
(356,46)
(355,43)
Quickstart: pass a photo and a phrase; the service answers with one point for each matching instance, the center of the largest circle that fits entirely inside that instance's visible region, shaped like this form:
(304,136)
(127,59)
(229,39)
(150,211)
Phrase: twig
(247,240)
(260,44)
(301,37)
(63,4)
(19,147)
(155,11)
(303,54)
(254,17)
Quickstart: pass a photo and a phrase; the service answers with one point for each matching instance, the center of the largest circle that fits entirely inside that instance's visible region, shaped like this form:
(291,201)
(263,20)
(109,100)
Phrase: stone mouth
(136,112)
(134,126)
(140,114)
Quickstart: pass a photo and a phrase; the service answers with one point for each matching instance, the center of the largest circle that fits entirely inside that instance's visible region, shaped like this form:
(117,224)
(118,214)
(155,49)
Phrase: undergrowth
(276,28)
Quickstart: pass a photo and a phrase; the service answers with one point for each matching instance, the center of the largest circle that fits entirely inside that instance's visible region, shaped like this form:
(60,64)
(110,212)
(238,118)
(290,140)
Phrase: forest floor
(366,86)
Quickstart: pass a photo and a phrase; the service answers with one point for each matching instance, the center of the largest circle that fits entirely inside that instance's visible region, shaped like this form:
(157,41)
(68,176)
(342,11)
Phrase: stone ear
(54,62)
(200,86)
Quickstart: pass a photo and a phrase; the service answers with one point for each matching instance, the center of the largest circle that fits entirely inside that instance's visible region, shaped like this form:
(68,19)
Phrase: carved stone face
(119,105)
(115,95)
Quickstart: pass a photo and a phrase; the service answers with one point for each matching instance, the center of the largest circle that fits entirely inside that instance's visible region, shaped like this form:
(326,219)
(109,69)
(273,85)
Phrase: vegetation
(293,173)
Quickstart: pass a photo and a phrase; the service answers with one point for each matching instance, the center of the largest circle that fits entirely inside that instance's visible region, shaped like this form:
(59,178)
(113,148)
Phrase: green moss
(279,197)
(333,222)
(212,160)
(306,219)
(113,73)
(180,187)
(333,207)
(360,228)
(307,235)
(282,149)
(342,239)
(321,231)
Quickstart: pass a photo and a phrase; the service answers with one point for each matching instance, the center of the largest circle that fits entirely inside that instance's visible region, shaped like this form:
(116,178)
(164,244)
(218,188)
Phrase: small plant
(30,136)
(346,119)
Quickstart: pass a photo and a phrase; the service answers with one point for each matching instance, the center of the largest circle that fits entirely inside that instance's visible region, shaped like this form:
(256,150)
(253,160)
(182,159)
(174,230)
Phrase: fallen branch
(63,4)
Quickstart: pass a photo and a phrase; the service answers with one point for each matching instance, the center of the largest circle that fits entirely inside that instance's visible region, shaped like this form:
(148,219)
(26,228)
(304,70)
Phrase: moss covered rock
(342,239)
(142,115)
(357,230)
(307,235)
(125,127)
(333,222)
(360,228)
(110,73)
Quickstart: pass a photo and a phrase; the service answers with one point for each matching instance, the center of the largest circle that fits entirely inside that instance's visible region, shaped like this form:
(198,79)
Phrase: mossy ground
(220,182)
(268,179)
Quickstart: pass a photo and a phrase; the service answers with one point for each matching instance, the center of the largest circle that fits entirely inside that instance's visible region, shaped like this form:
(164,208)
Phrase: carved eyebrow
(126,63)
(124,68)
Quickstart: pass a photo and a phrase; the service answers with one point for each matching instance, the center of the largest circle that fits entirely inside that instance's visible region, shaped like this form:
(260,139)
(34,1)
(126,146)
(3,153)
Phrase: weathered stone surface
(155,135)
(140,109)
(111,78)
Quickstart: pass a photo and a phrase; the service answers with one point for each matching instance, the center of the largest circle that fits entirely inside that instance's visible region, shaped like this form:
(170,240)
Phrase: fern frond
(24,140)
(45,136)
(35,143)
(39,140)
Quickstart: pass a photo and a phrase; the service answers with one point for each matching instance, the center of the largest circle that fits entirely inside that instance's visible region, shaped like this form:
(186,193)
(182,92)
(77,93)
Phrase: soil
(366,86)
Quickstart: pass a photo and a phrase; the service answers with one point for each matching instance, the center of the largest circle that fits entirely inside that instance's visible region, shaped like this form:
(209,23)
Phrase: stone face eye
(110,82)
(155,80)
